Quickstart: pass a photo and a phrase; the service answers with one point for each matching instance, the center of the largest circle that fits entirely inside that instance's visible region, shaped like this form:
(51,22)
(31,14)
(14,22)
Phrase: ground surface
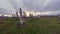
(44,25)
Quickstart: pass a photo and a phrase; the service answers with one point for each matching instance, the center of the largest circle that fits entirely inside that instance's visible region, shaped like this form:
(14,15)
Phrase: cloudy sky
(11,6)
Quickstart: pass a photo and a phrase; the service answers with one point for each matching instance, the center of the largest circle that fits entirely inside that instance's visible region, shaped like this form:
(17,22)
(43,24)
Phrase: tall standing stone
(21,17)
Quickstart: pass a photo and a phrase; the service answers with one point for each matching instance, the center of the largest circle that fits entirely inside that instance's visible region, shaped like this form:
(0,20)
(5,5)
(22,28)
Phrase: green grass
(43,25)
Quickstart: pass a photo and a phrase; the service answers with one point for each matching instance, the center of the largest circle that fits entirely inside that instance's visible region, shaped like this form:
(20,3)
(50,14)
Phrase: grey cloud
(13,3)
(6,7)
(5,11)
(34,5)
(37,5)
(16,4)
(53,6)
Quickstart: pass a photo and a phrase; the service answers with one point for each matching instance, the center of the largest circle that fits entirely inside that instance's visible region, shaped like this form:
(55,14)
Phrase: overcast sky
(10,6)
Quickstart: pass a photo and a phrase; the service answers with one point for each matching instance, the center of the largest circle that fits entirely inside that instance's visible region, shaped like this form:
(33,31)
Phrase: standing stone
(30,15)
(13,15)
(2,16)
(24,14)
(16,14)
(21,17)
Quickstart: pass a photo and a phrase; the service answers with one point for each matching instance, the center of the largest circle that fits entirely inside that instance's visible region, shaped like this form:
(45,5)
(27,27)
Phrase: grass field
(43,25)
